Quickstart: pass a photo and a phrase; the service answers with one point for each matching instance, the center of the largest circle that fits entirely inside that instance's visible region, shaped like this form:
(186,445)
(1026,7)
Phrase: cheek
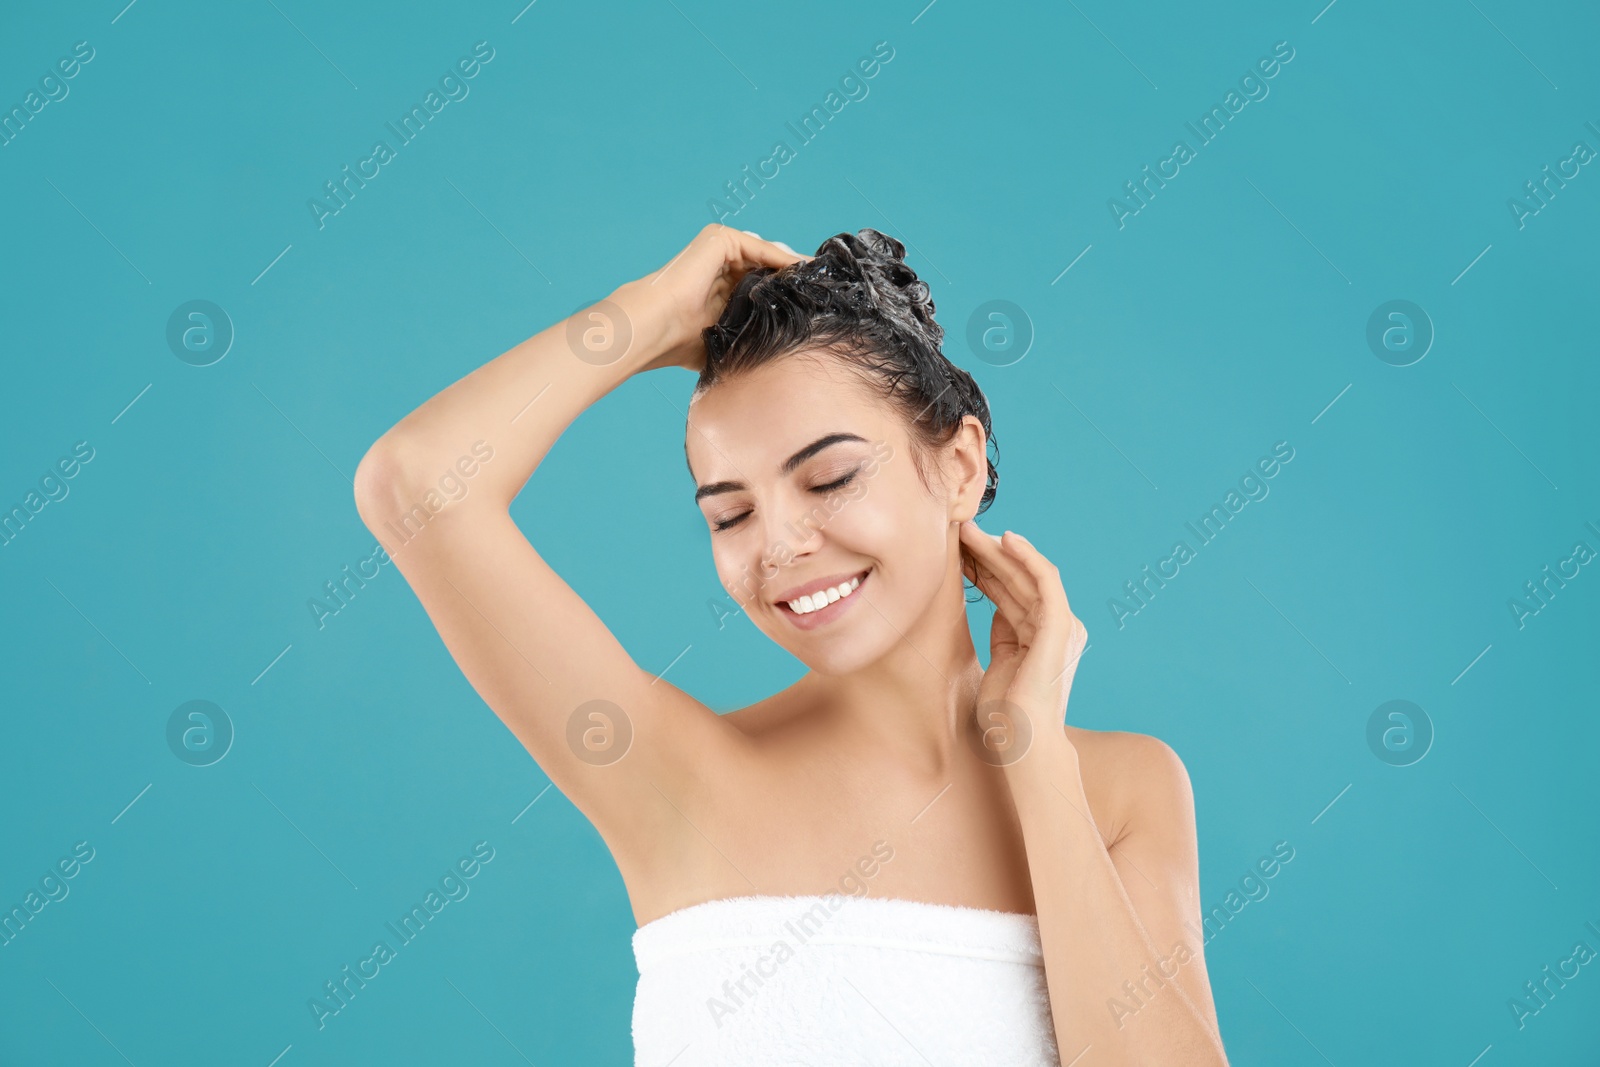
(729,573)
(897,507)
(898,523)
(870,524)
(739,568)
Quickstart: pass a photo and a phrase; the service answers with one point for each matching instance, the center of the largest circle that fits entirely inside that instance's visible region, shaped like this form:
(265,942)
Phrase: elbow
(379,478)
(395,484)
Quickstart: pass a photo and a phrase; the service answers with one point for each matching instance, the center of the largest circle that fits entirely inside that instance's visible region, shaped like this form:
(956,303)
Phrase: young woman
(902,857)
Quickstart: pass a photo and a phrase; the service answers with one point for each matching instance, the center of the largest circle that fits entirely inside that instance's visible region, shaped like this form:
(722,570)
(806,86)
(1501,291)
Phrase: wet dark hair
(857,300)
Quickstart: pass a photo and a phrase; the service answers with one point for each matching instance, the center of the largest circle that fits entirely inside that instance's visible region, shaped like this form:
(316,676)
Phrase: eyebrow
(788,467)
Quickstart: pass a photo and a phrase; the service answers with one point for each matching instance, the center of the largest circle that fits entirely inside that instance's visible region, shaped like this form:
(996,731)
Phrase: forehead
(749,424)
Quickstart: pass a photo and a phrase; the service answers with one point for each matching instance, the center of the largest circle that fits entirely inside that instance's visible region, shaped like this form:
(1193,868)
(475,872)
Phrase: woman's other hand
(1034,641)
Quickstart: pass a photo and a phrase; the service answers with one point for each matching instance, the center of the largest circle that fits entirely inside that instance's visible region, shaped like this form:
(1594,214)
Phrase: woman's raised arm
(436,490)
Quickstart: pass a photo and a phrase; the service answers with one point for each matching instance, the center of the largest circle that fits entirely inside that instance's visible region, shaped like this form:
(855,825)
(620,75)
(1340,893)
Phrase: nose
(792,532)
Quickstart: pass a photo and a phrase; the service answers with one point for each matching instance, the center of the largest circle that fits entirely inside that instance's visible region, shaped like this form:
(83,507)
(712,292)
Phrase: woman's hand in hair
(668,308)
(1034,641)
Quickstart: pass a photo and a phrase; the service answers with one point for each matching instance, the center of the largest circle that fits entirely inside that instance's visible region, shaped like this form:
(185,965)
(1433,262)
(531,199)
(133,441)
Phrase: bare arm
(436,490)
(1126,973)
(1116,886)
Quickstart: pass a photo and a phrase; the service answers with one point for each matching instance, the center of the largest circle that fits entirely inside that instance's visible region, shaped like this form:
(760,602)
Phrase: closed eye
(831,486)
(728,524)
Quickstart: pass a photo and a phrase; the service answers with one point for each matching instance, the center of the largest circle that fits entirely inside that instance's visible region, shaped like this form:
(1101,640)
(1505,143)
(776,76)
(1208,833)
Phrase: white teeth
(807,604)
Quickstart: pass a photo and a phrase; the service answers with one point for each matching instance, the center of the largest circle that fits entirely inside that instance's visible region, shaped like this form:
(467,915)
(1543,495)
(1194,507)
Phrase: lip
(816,585)
(823,616)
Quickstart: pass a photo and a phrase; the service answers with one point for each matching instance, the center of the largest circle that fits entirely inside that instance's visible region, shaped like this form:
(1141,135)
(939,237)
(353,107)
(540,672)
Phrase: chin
(844,653)
(843,659)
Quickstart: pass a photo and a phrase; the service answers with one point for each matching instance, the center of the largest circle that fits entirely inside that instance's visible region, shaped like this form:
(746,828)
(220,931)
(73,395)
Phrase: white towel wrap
(835,980)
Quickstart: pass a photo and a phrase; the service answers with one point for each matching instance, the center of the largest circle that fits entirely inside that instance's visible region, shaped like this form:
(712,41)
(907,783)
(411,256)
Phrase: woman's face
(806,482)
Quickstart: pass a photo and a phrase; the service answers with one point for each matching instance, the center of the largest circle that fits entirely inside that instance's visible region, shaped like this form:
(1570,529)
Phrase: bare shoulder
(1130,779)
(1146,758)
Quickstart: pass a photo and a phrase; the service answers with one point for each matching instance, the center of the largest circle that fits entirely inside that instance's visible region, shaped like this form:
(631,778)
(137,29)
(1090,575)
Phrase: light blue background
(1226,316)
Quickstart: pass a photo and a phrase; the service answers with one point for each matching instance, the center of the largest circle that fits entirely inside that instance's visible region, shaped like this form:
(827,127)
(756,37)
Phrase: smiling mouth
(818,601)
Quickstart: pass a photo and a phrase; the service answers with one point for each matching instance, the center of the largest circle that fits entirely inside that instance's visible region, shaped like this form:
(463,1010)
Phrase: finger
(1057,623)
(1062,637)
(1006,581)
(750,251)
(988,583)
(988,550)
(978,561)
(993,586)
(776,244)
(1046,574)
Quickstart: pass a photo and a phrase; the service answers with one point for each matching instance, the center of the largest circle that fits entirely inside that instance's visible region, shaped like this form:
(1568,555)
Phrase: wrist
(654,339)
(1050,758)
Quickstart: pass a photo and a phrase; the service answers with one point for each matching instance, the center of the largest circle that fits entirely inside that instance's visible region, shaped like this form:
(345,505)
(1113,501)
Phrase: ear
(967,462)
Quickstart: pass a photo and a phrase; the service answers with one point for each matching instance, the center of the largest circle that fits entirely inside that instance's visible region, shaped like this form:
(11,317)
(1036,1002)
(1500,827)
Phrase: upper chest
(809,820)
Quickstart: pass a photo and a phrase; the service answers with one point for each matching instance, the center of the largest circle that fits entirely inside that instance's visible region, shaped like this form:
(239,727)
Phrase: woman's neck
(911,703)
